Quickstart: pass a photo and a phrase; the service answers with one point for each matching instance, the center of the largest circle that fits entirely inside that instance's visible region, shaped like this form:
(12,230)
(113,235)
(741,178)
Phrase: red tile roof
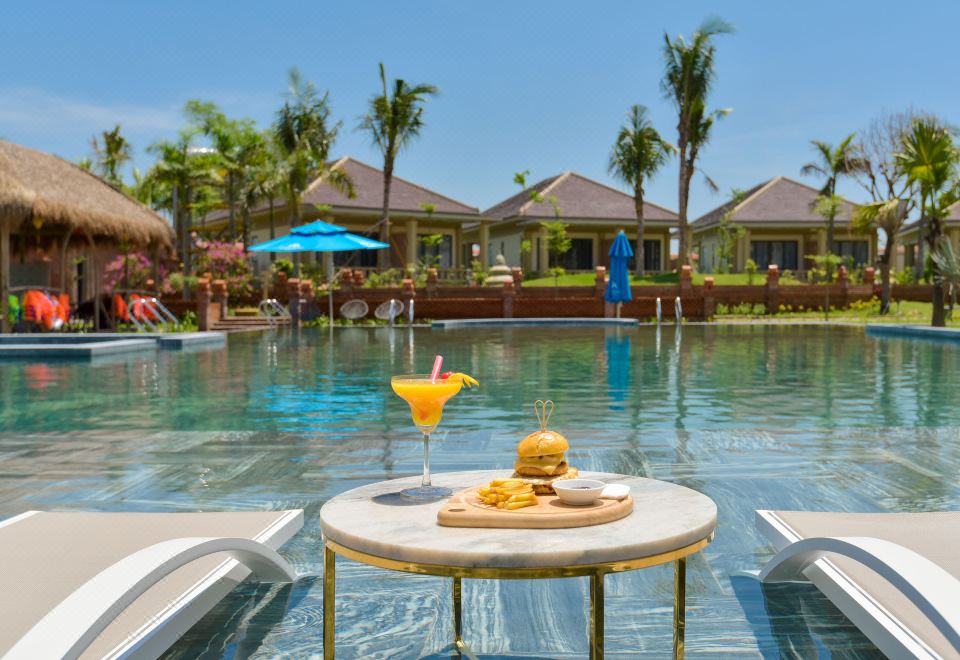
(578,198)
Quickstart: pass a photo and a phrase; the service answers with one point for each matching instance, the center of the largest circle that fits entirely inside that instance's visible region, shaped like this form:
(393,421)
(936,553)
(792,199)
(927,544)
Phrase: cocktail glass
(426,399)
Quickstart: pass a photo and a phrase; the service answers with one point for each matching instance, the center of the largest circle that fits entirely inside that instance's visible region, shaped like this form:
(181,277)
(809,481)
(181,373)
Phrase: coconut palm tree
(112,152)
(303,135)
(929,158)
(638,153)
(182,181)
(889,215)
(688,78)
(832,163)
(393,121)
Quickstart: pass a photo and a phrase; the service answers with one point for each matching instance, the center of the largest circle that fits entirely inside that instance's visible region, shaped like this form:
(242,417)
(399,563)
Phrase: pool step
(242,323)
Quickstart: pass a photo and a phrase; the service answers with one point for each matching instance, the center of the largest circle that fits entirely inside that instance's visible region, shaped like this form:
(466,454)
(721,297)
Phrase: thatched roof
(35,184)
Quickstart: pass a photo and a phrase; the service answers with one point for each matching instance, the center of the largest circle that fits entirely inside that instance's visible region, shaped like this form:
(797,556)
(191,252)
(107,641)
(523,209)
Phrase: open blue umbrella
(319,236)
(618,286)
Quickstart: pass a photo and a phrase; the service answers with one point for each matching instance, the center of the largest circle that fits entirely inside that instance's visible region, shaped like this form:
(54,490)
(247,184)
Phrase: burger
(542,460)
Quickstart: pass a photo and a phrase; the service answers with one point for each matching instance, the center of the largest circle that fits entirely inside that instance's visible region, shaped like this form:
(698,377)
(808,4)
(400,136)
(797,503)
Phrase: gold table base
(596,573)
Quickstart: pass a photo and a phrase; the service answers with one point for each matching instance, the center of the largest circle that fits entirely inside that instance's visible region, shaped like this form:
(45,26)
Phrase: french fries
(508,494)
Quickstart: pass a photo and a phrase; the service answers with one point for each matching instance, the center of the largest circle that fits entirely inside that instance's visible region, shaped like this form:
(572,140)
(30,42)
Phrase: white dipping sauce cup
(578,492)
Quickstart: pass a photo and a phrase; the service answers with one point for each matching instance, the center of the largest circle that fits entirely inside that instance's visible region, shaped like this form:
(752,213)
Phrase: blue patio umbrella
(618,286)
(319,236)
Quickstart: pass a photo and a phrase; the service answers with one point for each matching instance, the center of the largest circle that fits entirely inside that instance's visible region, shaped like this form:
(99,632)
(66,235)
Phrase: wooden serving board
(465,509)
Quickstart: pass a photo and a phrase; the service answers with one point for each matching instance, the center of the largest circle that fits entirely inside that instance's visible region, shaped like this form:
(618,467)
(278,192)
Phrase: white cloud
(31,110)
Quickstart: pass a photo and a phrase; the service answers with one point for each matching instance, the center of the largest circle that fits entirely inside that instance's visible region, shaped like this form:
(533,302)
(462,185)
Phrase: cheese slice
(548,462)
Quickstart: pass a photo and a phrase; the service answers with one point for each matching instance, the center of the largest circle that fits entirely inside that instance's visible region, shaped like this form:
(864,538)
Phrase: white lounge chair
(108,585)
(896,576)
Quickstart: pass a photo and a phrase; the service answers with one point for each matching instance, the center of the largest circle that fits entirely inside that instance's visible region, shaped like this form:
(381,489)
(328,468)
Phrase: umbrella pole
(330,288)
(619,305)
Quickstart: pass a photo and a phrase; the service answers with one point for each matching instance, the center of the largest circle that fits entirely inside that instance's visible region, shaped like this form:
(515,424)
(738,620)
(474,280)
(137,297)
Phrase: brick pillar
(870,276)
(280,286)
(709,302)
(407,295)
(357,279)
(205,307)
(221,297)
(509,293)
(600,282)
(517,273)
(773,289)
(431,282)
(293,301)
(843,279)
(346,282)
(686,281)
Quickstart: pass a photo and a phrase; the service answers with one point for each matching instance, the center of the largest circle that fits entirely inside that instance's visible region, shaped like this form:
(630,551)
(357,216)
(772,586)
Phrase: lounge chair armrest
(934,591)
(69,628)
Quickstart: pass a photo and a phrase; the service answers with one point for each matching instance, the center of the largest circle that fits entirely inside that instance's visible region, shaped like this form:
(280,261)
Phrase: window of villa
(781,253)
(580,256)
(444,251)
(859,251)
(652,256)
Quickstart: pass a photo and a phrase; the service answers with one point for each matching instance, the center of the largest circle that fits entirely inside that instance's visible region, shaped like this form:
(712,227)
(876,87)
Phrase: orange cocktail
(426,396)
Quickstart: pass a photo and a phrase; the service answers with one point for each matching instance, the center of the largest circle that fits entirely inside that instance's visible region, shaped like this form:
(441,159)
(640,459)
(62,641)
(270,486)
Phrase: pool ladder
(272,309)
(677,310)
(150,306)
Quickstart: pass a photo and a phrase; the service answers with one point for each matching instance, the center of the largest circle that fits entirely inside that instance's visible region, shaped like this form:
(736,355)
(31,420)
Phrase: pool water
(782,417)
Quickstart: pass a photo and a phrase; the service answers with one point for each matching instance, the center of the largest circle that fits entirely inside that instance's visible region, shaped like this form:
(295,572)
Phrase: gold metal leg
(457,613)
(679,606)
(329,603)
(596,615)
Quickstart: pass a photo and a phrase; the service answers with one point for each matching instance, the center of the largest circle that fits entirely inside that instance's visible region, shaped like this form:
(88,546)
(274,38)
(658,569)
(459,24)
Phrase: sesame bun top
(540,443)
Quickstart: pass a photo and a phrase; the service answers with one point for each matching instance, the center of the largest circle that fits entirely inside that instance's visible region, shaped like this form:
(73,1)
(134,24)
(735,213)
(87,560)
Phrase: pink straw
(437,363)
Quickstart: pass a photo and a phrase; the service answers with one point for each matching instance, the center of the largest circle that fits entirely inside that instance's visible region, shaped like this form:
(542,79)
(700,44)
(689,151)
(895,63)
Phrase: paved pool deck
(914,332)
(97,345)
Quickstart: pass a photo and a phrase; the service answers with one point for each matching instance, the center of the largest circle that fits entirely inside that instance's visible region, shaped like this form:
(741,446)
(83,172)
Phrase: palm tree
(304,137)
(890,216)
(393,122)
(112,152)
(181,181)
(832,163)
(687,81)
(929,158)
(638,154)
(268,180)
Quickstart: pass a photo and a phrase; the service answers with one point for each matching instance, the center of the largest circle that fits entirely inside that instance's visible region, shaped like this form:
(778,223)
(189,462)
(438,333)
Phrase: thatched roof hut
(38,185)
(41,194)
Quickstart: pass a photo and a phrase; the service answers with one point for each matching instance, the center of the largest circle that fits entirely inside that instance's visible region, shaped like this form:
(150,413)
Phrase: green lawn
(907,312)
(588,279)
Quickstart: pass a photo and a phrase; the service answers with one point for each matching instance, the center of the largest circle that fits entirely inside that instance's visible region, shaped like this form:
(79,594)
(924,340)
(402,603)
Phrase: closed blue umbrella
(319,236)
(618,286)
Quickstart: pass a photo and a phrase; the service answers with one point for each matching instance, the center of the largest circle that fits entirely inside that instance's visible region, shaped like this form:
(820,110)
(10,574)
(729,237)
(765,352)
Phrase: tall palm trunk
(885,278)
(295,222)
(383,256)
(232,202)
(919,266)
(638,208)
(934,233)
(245,215)
(683,190)
(273,231)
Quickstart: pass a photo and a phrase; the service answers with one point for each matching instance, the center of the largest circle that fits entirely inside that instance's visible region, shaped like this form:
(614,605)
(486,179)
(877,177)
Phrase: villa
(781,227)
(910,235)
(409,220)
(593,213)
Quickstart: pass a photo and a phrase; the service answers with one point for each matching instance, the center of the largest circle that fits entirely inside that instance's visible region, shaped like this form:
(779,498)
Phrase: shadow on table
(396,499)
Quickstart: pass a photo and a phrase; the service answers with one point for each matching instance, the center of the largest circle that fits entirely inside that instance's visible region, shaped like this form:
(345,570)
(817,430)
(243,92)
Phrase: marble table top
(377,520)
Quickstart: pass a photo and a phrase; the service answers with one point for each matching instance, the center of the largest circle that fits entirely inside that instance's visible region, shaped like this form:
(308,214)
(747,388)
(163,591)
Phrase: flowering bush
(136,267)
(226,261)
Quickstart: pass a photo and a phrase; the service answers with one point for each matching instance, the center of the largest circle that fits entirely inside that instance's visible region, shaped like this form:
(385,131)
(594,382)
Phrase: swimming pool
(756,417)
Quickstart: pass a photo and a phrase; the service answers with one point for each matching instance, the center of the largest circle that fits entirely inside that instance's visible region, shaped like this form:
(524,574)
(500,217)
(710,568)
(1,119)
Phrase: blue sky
(524,85)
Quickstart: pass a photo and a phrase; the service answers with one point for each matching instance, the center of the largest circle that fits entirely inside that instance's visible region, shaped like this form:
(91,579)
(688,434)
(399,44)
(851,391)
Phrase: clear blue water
(755,417)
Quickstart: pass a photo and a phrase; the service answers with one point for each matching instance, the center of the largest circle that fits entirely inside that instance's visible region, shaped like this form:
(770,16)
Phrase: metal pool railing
(271,309)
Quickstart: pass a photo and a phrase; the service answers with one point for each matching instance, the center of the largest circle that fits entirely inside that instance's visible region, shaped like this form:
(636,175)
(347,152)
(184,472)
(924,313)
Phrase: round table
(375,525)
